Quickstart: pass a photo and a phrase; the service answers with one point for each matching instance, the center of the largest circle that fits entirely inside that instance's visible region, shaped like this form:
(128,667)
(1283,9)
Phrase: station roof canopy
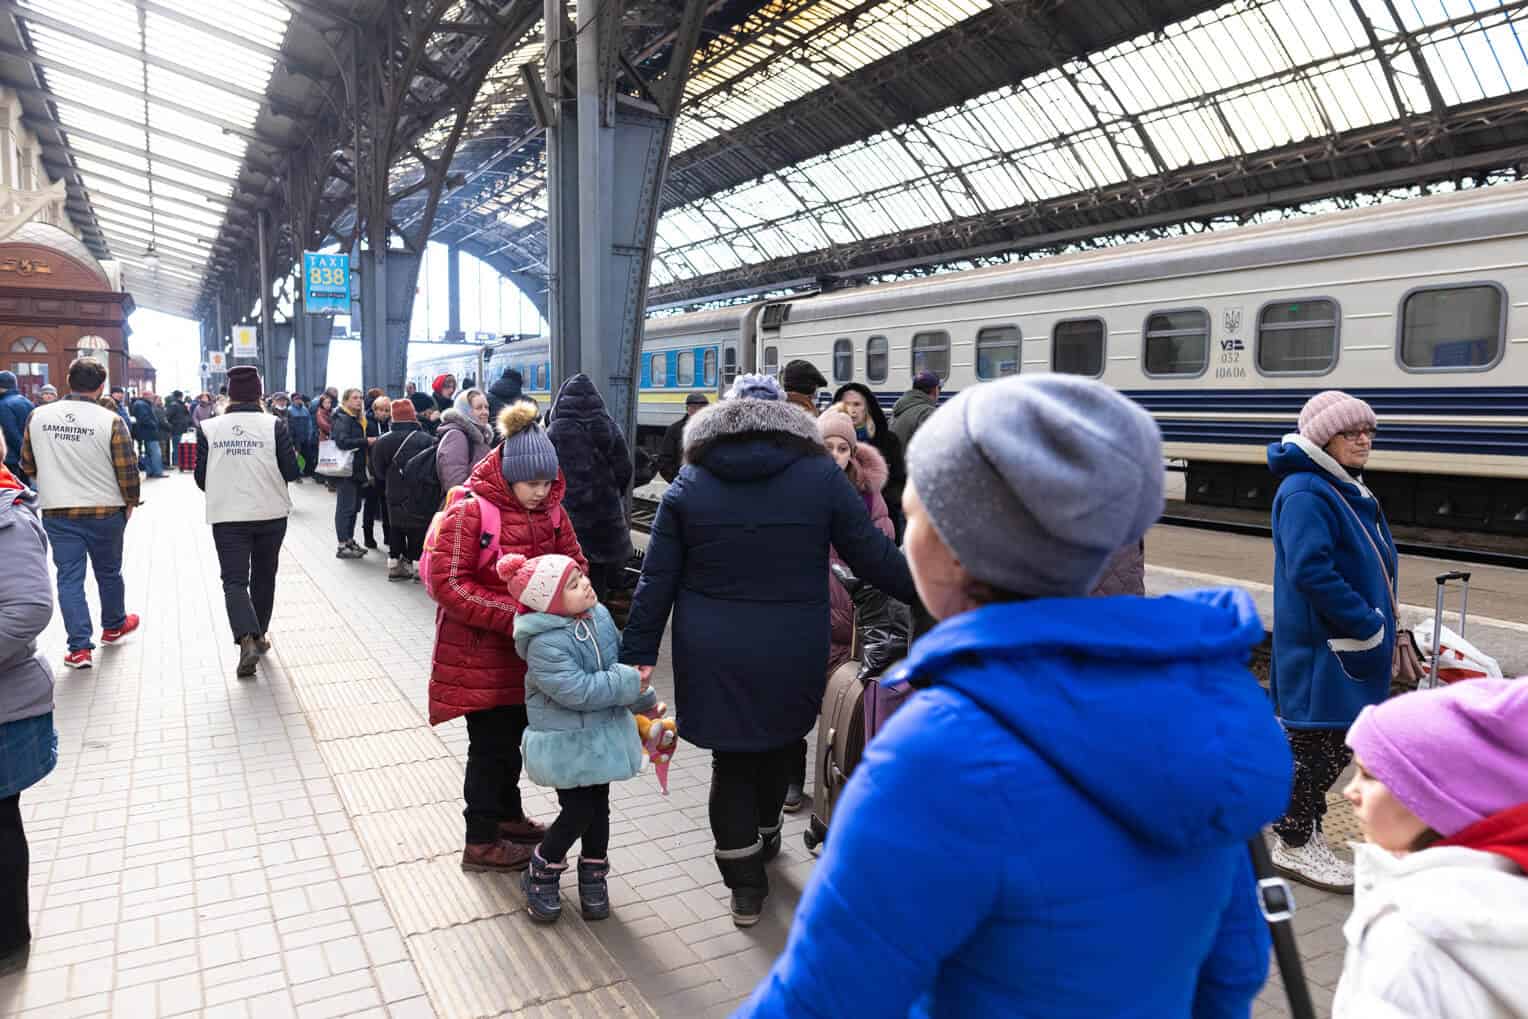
(818,138)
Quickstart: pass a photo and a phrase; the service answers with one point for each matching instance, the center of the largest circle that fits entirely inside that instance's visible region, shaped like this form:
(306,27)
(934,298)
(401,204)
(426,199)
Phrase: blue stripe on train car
(1442,438)
(1473,400)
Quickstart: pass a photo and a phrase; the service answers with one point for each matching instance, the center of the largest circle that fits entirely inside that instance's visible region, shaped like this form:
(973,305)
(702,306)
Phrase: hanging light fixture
(151,255)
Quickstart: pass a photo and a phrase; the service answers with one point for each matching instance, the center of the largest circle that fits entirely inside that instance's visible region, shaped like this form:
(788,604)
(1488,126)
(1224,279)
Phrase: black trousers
(798,765)
(248,555)
(373,510)
(406,543)
(309,451)
(747,792)
(585,815)
(15,864)
(347,503)
(1320,756)
(492,786)
(603,577)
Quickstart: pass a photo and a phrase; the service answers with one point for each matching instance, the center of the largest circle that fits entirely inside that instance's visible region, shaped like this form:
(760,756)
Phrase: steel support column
(267,353)
(454,294)
(281,345)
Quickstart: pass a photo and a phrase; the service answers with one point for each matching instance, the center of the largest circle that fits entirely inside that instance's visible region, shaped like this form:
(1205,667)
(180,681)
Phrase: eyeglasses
(1359,433)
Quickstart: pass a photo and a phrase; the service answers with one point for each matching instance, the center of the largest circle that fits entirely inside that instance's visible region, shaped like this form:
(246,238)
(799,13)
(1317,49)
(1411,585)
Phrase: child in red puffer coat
(475,671)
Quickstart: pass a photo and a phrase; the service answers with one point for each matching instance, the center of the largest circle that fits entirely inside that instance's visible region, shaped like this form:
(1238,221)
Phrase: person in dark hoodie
(1334,630)
(505,391)
(597,465)
(404,439)
(15,408)
(915,406)
(244,461)
(671,451)
(1131,725)
(179,417)
(870,425)
(739,556)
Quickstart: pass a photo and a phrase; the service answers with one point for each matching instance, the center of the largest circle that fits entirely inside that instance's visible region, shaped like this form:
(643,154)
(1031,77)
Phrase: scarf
(1505,834)
(9,481)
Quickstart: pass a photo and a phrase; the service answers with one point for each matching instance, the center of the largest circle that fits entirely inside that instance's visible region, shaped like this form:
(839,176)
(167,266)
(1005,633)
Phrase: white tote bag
(334,462)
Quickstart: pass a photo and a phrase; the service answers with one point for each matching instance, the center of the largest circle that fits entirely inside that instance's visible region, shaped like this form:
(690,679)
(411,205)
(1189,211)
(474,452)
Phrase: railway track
(643,510)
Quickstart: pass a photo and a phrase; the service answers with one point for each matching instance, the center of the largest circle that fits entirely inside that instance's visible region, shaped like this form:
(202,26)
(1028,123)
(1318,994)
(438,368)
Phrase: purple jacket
(463,442)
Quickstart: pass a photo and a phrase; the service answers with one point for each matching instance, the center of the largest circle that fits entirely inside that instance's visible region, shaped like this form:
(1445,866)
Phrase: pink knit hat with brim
(537,583)
(1453,755)
(831,423)
(1333,411)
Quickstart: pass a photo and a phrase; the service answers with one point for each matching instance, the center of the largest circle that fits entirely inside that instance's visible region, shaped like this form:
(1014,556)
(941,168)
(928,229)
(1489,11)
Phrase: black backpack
(413,487)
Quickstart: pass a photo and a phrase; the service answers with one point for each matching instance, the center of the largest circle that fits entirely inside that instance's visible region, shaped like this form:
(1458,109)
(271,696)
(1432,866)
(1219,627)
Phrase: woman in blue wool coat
(1056,824)
(1334,566)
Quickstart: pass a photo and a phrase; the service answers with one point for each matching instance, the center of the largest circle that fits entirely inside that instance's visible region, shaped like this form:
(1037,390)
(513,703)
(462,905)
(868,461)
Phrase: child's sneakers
(593,892)
(543,895)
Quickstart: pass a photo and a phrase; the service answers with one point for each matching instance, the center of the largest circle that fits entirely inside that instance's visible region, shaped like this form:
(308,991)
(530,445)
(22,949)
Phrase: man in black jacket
(505,391)
(404,439)
(179,417)
(671,452)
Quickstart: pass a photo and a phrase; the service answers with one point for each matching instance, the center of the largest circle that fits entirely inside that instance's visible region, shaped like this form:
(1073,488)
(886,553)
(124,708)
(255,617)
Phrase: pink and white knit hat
(536,583)
(1333,411)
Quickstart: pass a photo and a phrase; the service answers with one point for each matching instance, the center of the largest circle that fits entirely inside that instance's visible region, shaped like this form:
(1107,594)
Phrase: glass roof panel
(194,64)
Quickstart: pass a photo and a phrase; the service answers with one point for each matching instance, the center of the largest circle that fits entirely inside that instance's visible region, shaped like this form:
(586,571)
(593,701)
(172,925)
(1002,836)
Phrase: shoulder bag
(1406,670)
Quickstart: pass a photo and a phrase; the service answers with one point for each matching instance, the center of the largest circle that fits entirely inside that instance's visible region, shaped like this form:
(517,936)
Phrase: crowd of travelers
(1069,791)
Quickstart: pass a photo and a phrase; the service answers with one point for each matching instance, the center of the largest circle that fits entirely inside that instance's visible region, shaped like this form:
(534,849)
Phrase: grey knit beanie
(526,453)
(1034,482)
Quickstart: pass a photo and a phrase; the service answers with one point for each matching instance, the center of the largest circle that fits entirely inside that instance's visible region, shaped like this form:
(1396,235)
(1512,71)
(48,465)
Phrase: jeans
(747,792)
(1320,756)
(346,505)
(492,784)
(585,814)
(154,454)
(15,862)
(248,555)
(309,451)
(99,539)
(407,543)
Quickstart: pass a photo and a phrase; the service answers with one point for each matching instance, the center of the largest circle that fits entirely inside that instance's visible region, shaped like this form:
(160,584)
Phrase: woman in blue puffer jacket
(1334,623)
(1056,824)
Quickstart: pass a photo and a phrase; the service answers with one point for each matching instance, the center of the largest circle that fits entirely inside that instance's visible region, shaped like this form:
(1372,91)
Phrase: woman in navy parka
(1057,825)
(1334,624)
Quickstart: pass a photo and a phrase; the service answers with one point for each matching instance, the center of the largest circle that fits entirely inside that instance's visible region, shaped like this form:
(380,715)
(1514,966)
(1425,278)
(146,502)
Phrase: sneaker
(747,906)
(354,547)
(593,892)
(794,796)
(249,656)
(494,856)
(80,659)
(117,633)
(543,888)
(1313,864)
(13,960)
(349,550)
(523,832)
(264,643)
(397,570)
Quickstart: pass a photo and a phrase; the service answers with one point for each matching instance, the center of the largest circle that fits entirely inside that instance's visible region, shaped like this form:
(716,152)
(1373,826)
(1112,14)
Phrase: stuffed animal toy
(660,737)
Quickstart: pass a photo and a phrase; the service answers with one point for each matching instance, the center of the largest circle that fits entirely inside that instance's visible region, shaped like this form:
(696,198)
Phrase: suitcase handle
(1444,578)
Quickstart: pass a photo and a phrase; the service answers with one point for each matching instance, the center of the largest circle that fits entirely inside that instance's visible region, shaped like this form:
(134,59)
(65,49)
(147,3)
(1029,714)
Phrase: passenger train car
(1419,307)
(530,355)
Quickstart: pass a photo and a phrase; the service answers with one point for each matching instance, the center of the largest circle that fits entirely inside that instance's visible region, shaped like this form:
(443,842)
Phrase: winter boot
(494,856)
(771,839)
(593,892)
(743,872)
(1313,864)
(794,796)
(523,832)
(397,569)
(249,655)
(543,894)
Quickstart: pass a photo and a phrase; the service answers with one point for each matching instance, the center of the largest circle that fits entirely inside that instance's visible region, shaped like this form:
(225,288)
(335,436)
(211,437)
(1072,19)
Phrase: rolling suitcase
(1436,668)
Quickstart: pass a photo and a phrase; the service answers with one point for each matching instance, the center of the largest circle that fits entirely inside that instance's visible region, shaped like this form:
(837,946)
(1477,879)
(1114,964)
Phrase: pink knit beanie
(834,422)
(1333,411)
(536,583)
(1454,755)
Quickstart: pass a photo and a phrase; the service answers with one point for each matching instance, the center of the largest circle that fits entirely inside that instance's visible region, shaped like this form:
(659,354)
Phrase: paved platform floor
(288,845)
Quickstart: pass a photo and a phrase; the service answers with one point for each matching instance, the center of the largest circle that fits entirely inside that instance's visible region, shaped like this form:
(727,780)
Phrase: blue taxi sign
(325,283)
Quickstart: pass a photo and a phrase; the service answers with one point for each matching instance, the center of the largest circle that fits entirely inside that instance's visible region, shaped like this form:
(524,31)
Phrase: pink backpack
(488,542)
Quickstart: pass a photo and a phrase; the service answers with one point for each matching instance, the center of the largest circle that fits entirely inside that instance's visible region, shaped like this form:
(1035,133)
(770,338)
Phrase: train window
(1452,328)
(686,368)
(877,359)
(729,365)
(931,352)
(657,371)
(771,360)
(997,351)
(708,368)
(1077,347)
(1297,338)
(1178,342)
(843,360)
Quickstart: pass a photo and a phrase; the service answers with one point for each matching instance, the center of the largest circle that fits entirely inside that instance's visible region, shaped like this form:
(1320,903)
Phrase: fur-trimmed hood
(742,439)
(867,468)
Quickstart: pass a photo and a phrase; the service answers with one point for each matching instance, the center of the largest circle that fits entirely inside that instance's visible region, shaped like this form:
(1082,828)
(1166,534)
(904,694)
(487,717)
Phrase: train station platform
(288,846)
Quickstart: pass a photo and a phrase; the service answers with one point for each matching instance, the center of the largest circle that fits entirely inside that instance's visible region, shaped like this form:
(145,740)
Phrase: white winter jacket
(1438,934)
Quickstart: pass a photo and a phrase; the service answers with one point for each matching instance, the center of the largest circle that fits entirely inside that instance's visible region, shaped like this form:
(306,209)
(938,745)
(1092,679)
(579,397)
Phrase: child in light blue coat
(581,735)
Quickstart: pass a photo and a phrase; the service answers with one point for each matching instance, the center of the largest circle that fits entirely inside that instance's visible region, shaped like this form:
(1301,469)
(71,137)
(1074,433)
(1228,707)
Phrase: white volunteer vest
(71,445)
(244,480)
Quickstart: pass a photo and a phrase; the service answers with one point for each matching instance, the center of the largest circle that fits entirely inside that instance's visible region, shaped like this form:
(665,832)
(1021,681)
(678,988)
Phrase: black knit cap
(244,384)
